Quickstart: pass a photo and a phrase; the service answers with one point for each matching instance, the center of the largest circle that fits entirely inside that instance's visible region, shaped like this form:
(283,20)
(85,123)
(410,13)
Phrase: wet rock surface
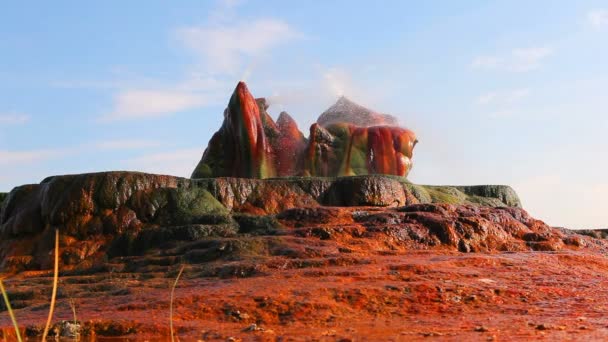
(102,214)
(365,257)
(318,286)
(369,257)
(344,255)
(347,140)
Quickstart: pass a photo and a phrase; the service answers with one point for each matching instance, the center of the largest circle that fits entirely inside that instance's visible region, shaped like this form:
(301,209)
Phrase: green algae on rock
(131,210)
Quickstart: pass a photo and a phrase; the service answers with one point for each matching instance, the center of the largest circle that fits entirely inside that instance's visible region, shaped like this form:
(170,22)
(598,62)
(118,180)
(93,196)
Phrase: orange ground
(412,295)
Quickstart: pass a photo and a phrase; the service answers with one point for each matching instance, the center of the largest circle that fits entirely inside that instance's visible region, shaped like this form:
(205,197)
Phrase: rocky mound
(346,253)
(272,267)
(348,140)
(101,215)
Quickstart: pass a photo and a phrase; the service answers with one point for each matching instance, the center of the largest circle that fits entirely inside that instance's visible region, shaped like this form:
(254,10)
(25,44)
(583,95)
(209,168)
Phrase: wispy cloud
(226,46)
(139,103)
(179,162)
(598,18)
(503,97)
(224,11)
(517,60)
(13,119)
(30,156)
(223,48)
(124,144)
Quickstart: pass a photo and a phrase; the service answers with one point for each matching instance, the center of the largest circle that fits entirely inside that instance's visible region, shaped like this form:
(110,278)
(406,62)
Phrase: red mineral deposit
(347,140)
(366,257)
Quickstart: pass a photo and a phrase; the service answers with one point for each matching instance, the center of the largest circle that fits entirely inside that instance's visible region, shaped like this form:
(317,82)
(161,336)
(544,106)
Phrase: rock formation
(347,140)
(97,212)
(307,256)
(299,252)
(241,148)
(346,111)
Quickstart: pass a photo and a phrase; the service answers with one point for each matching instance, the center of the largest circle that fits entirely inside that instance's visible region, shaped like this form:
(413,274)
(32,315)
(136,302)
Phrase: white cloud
(305,99)
(529,59)
(598,18)
(338,82)
(486,62)
(224,11)
(126,144)
(505,97)
(30,156)
(13,119)
(223,48)
(137,104)
(226,46)
(177,163)
(518,60)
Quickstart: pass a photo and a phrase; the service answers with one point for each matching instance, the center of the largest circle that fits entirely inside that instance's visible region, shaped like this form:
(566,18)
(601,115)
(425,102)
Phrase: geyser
(346,140)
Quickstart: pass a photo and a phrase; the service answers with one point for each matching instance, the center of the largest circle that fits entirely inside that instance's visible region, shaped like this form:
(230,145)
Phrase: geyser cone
(348,139)
(347,111)
(240,148)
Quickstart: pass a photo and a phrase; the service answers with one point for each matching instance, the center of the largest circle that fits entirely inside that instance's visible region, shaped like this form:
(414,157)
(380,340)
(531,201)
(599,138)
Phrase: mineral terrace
(287,237)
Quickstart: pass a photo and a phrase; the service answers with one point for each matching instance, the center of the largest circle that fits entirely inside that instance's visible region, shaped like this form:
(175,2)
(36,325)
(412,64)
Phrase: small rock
(481,328)
(391,288)
(329,333)
(470,298)
(486,280)
(239,315)
(69,329)
(544,327)
(253,327)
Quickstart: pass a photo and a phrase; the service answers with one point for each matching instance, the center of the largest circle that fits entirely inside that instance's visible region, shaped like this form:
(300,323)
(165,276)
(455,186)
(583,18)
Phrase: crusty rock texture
(347,140)
(352,251)
(104,213)
(286,258)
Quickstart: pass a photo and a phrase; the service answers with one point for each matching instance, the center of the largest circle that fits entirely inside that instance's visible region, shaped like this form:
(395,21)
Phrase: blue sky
(505,92)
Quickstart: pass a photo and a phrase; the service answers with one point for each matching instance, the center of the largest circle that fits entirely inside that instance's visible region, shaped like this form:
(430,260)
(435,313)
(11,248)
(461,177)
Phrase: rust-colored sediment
(403,296)
(347,273)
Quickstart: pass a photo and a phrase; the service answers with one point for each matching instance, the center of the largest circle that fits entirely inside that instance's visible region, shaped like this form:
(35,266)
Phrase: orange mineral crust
(346,254)
(330,279)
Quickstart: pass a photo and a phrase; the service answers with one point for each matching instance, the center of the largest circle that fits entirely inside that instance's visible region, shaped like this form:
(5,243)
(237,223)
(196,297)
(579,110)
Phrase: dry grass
(10,311)
(171,302)
(54,294)
(72,302)
(73,307)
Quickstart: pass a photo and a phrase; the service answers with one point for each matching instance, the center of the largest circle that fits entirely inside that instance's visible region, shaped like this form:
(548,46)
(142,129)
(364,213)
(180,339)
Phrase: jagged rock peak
(347,111)
(285,119)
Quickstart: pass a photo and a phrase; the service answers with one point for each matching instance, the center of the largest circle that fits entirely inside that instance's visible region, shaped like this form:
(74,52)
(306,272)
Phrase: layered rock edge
(117,214)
